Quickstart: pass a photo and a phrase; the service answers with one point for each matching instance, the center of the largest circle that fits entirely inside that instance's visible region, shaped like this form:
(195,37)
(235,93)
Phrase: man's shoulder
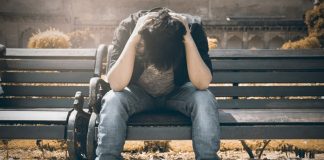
(132,18)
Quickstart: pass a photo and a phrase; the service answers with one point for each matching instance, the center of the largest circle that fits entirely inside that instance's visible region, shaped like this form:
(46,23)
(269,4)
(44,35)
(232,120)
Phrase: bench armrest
(101,54)
(98,88)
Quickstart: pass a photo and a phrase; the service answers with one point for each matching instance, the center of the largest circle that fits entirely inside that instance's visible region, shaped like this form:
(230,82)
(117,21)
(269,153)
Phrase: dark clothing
(125,29)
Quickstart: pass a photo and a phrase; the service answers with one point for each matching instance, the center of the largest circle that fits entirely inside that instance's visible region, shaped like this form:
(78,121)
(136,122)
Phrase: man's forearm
(199,73)
(120,74)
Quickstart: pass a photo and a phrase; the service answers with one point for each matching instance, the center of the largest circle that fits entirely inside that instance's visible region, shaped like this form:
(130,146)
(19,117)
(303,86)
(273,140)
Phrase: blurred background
(233,23)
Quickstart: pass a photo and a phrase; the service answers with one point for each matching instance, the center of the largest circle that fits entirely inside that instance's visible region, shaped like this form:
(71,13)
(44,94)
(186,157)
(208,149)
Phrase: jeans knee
(113,102)
(203,98)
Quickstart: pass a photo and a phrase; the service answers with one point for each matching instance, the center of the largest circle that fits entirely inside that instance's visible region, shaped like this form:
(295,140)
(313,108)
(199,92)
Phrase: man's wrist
(187,38)
(135,38)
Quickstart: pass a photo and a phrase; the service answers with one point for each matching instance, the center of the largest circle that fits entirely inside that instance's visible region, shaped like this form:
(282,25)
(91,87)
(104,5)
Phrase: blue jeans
(117,107)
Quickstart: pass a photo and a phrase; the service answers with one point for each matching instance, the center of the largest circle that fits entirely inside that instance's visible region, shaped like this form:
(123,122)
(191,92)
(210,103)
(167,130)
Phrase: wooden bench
(39,85)
(263,94)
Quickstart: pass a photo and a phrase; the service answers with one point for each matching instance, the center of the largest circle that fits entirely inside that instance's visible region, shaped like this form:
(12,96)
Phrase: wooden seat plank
(269,64)
(50,53)
(52,64)
(21,103)
(46,77)
(234,117)
(268,77)
(65,91)
(21,116)
(221,91)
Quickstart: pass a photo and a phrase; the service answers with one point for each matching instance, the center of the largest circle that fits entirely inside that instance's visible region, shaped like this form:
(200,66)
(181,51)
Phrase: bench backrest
(47,78)
(268,78)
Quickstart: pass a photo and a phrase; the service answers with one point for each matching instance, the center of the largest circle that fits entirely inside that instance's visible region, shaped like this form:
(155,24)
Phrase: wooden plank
(47,77)
(21,103)
(271,104)
(32,132)
(234,117)
(266,53)
(33,116)
(65,91)
(221,91)
(229,132)
(269,64)
(50,53)
(268,77)
(272,116)
(41,64)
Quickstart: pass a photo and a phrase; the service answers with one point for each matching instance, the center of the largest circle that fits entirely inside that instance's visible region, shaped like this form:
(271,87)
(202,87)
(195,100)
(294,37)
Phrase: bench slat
(32,132)
(50,53)
(34,116)
(221,91)
(271,104)
(37,64)
(266,53)
(268,64)
(46,77)
(229,132)
(21,103)
(235,117)
(268,77)
(65,91)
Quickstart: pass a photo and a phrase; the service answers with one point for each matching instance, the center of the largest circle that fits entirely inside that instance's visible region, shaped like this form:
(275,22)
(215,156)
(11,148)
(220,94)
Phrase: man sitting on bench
(159,60)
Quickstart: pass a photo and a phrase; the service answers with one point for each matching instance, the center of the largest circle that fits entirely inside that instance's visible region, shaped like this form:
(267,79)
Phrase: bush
(307,42)
(212,43)
(314,19)
(50,38)
(81,39)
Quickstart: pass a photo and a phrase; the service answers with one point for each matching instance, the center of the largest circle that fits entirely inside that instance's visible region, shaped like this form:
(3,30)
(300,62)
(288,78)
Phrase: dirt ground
(178,150)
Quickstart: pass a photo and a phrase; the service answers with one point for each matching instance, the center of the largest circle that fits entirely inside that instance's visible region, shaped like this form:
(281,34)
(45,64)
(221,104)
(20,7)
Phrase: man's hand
(183,20)
(198,71)
(144,21)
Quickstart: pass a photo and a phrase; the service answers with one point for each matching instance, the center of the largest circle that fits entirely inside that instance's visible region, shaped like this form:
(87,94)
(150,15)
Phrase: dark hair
(163,40)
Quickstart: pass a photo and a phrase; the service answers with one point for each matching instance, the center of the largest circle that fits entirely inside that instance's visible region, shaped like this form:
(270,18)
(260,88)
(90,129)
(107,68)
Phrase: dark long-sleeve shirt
(125,29)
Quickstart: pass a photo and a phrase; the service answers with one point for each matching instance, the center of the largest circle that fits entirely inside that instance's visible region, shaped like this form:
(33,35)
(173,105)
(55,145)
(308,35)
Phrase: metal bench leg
(77,130)
(91,137)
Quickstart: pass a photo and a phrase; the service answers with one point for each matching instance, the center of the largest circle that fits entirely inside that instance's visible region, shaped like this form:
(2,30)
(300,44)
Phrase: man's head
(163,40)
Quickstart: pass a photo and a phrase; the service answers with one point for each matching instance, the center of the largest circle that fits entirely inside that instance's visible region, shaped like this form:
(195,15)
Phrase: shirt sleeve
(120,38)
(199,36)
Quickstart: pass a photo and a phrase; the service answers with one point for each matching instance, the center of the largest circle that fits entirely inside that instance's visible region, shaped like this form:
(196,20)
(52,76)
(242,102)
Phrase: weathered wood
(32,132)
(229,132)
(266,53)
(21,103)
(50,53)
(35,117)
(268,77)
(271,104)
(41,64)
(65,91)
(221,91)
(269,64)
(46,77)
(235,117)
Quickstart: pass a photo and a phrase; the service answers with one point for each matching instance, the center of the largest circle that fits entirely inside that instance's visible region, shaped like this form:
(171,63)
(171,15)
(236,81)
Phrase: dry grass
(179,150)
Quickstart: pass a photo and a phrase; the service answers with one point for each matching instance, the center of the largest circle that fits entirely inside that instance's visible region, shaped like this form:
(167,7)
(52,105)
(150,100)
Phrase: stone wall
(20,18)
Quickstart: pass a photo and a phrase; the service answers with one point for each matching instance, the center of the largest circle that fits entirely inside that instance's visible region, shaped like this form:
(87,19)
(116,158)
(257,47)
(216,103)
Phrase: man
(159,60)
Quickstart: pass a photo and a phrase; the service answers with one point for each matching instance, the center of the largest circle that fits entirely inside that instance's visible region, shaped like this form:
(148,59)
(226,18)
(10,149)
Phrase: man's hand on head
(144,21)
(182,19)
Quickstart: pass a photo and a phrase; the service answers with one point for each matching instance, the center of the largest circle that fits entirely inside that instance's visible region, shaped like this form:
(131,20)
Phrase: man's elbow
(117,87)
(201,85)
